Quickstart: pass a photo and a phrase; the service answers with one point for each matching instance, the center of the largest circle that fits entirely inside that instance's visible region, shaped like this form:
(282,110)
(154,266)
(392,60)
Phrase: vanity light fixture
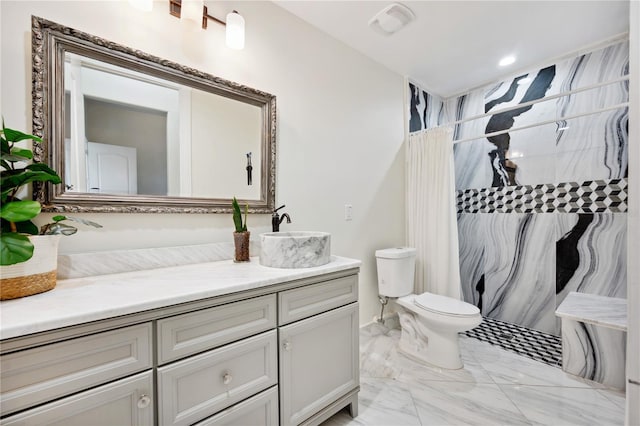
(143,5)
(192,11)
(235,31)
(195,11)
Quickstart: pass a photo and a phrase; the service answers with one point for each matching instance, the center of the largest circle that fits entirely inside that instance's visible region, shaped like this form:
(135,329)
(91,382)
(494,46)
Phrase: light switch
(348,212)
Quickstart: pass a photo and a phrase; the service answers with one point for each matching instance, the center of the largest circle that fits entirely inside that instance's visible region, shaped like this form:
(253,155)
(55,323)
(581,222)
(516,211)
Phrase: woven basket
(34,276)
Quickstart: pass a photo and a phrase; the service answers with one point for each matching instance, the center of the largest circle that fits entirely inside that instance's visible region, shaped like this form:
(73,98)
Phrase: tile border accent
(594,196)
(523,341)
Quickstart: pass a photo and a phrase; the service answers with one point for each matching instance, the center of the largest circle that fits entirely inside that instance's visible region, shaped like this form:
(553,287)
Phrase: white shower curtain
(431,211)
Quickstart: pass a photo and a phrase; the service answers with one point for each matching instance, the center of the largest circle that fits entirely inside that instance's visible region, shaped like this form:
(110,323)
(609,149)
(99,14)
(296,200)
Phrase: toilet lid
(445,305)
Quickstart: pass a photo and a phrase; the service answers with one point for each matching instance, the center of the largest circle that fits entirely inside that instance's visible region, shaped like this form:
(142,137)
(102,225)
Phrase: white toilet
(430,323)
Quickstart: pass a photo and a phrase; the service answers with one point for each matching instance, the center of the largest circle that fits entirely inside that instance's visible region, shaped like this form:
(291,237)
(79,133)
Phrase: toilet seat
(445,305)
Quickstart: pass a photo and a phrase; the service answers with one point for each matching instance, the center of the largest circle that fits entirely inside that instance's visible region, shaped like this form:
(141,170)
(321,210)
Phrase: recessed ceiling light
(507,60)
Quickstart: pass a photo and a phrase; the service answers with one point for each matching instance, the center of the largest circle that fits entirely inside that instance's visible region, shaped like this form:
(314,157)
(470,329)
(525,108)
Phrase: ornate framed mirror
(131,132)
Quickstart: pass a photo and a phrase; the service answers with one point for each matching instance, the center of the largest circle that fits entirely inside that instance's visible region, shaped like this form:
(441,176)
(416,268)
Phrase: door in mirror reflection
(112,169)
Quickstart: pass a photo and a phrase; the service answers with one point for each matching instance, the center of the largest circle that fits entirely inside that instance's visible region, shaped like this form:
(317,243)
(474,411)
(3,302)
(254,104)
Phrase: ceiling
(453,46)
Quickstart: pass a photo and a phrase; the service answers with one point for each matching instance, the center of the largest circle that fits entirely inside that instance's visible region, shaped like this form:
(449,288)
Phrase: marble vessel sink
(295,249)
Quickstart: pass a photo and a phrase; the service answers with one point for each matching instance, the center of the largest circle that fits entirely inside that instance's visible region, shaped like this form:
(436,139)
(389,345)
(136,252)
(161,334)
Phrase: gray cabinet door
(197,387)
(259,410)
(303,302)
(47,372)
(318,362)
(126,402)
(187,334)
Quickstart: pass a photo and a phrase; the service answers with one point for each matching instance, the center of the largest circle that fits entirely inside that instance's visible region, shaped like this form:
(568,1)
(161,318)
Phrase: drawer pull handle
(287,346)
(227,378)
(144,401)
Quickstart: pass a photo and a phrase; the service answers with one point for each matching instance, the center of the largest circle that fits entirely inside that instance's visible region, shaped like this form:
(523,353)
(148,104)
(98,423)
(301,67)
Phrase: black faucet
(276,220)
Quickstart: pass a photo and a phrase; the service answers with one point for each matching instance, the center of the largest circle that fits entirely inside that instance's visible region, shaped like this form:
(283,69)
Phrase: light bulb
(144,5)
(192,11)
(235,31)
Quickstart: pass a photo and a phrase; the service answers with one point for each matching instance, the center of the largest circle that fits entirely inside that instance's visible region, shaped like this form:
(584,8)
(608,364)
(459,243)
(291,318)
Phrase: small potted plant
(28,255)
(241,235)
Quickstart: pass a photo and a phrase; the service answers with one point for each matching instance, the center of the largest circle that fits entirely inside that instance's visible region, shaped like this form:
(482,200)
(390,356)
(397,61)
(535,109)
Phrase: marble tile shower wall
(541,211)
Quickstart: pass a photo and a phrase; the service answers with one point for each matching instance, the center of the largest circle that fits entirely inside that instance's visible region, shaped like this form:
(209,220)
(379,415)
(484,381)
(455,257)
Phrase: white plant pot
(34,276)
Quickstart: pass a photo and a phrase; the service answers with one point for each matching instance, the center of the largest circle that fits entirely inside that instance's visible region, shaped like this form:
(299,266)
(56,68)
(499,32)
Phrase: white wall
(340,123)
(223,131)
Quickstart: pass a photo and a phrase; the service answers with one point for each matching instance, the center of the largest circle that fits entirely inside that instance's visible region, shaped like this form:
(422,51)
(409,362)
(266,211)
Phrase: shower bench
(594,333)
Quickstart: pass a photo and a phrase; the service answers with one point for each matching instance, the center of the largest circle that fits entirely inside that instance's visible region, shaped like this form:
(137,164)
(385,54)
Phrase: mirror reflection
(132,132)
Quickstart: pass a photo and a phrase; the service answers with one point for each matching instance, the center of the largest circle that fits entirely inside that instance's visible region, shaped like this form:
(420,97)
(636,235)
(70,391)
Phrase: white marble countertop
(606,311)
(81,300)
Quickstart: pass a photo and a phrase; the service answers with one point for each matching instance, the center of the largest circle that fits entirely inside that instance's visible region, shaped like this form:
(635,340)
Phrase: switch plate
(348,212)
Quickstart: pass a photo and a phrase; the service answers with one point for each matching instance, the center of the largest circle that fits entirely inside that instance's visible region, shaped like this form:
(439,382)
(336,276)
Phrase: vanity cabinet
(126,402)
(318,362)
(261,409)
(282,354)
(319,347)
(44,373)
(192,389)
(187,334)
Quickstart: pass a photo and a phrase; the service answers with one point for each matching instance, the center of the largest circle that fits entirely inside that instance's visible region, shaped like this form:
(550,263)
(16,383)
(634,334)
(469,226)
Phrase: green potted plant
(241,235)
(28,255)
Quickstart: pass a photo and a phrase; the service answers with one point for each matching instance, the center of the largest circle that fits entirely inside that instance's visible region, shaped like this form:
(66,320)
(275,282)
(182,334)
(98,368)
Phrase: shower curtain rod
(542,123)
(536,101)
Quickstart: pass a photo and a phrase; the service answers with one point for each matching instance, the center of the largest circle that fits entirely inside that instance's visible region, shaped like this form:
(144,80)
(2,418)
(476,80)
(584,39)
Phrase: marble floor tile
(495,388)
(413,372)
(374,330)
(382,402)
(471,373)
(508,368)
(379,354)
(564,406)
(445,403)
(615,396)
(380,358)
(343,418)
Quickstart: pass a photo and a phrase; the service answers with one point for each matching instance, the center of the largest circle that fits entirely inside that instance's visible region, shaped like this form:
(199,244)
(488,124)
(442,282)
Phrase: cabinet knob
(287,346)
(144,401)
(227,378)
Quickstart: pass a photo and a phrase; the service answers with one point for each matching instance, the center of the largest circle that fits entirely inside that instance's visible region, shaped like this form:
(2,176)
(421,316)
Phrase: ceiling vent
(391,19)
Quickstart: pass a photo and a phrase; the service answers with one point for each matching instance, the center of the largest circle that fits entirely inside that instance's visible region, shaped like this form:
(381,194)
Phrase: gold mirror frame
(50,41)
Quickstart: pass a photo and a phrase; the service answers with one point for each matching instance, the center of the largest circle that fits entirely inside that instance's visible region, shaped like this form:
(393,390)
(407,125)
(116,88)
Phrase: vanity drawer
(304,302)
(194,332)
(44,373)
(197,387)
(261,409)
(126,402)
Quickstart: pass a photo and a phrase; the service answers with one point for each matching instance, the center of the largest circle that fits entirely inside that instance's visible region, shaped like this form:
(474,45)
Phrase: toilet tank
(396,270)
